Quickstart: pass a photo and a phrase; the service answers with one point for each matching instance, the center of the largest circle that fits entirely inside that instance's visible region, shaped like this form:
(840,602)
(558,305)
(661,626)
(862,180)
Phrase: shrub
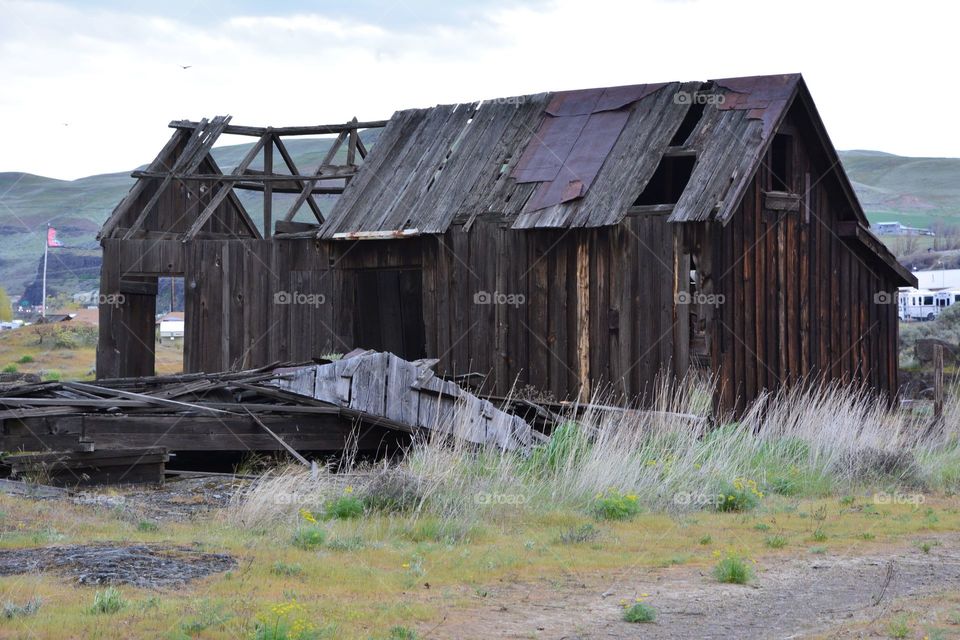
(10,368)
(74,337)
(819,535)
(434,530)
(146,526)
(13,610)
(705,540)
(732,570)
(402,633)
(309,537)
(776,542)
(108,601)
(352,543)
(280,568)
(25,359)
(740,495)
(51,376)
(393,490)
(614,505)
(344,508)
(640,612)
(872,466)
(899,628)
(579,535)
(284,622)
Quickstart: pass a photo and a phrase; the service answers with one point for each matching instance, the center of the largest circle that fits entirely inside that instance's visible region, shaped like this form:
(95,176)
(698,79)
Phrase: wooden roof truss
(187,168)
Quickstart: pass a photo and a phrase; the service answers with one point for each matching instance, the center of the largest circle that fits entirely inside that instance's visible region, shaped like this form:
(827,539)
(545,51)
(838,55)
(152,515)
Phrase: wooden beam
(158,163)
(650,209)
(146,399)
(376,235)
(308,186)
(197,149)
(224,191)
(311,130)
(288,160)
(290,450)
(328,173)
(268,185)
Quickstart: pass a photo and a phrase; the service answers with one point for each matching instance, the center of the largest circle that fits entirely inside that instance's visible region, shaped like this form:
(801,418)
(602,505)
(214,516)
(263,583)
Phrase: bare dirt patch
(792,598)
(180,500)
(145,566)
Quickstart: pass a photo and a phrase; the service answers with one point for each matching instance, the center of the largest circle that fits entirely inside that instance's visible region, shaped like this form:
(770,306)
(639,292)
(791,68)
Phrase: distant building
(170,326)
(938,279)
(897,229)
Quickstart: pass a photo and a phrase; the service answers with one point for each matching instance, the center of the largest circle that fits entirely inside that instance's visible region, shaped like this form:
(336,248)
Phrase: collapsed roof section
(566,159)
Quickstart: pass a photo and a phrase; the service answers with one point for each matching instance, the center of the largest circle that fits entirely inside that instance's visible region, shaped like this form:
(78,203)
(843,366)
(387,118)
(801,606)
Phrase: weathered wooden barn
(571,241)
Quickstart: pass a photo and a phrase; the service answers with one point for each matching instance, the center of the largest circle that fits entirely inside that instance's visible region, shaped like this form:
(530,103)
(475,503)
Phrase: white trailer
(925,304)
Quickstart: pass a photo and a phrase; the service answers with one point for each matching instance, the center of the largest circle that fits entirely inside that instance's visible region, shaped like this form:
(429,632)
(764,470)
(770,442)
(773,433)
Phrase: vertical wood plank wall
(800,302)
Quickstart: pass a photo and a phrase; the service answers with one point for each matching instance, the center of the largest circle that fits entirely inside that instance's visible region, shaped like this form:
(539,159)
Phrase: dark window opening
(690,121)
(781,163)
(928,301)
(668,181)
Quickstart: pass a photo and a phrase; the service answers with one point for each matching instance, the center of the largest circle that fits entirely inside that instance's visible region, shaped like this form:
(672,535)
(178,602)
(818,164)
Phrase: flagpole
(43,298)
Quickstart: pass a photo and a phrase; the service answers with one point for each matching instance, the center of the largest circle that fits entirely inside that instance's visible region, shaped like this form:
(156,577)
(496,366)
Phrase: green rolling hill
(915,191)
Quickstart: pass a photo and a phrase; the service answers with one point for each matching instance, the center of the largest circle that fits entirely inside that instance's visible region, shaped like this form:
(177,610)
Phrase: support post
(43,294)
(268,185)
(937,383)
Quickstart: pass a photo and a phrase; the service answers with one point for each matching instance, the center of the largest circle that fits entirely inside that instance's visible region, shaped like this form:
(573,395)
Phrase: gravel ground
(792,599)
(145,566)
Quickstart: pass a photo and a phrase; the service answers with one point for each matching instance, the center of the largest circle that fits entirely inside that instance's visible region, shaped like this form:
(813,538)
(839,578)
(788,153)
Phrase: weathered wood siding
(800,303)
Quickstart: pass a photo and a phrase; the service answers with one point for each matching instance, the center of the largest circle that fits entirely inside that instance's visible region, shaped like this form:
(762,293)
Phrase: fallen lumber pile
(314,407)
(408,395)
(87,468)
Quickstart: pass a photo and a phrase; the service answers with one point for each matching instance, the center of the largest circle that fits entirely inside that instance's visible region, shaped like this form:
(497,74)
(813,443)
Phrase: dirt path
(791,599)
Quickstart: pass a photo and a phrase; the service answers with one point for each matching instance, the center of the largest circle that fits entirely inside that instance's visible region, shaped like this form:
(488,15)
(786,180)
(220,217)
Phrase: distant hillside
(915,191)
(78,208)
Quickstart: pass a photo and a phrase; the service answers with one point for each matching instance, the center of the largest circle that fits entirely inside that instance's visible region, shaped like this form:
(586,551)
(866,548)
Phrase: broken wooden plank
(290,450)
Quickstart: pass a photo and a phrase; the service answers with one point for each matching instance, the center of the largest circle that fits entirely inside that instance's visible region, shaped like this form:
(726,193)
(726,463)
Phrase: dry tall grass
(804,442)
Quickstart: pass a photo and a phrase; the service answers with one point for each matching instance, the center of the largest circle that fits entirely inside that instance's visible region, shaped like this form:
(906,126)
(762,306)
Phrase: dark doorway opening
(390,312)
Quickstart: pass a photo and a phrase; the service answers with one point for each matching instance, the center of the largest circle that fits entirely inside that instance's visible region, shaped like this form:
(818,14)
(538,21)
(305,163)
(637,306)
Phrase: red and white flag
(52,238)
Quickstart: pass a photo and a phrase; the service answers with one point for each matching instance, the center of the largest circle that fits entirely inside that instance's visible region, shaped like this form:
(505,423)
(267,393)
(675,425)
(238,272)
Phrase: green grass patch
(614,505)
(639,612)
(733,570)
(108,601)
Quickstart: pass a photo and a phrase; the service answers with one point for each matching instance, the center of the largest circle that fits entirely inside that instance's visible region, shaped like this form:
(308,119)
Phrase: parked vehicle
(925,304)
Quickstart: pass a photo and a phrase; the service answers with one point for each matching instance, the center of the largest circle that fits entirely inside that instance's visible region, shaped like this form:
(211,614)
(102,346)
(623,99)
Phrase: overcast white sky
(88,87)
